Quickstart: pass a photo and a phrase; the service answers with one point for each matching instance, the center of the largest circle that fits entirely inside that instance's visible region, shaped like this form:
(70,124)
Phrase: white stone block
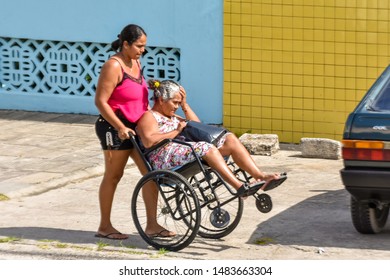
(320,148)
(260,144)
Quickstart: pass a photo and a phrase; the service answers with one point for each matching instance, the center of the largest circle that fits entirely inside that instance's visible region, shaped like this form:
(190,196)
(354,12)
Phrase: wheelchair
(191,200)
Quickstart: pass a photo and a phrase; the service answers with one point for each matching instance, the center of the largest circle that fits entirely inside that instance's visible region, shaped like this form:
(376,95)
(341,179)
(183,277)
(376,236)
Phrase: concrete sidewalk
(51,166)
(41,151)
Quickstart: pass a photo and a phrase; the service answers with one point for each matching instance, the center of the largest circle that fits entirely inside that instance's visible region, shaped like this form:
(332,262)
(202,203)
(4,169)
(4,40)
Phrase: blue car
(366,157)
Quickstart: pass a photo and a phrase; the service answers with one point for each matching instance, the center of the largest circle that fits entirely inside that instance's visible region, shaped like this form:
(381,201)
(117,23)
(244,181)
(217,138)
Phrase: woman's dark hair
(129,34)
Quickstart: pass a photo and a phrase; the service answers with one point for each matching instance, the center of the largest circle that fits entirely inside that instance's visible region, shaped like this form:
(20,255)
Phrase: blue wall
(196,27)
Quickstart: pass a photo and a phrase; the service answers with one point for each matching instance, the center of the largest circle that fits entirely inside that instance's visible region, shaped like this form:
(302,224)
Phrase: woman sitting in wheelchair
(161,122)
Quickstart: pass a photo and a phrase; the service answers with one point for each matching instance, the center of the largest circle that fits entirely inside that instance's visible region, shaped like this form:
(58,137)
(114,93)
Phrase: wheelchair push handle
(132,138)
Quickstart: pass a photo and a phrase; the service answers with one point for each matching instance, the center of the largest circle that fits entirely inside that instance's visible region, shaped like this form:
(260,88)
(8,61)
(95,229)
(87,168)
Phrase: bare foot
(270,176)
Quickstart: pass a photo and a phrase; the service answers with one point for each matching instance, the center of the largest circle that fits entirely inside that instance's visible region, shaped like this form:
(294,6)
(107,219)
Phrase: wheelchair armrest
(162,143)
(146,152)
(158,145)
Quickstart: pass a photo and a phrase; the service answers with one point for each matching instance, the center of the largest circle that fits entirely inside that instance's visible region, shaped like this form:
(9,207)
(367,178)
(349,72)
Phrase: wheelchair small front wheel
(222,214)
(263,202)
(219,218)
(177,209)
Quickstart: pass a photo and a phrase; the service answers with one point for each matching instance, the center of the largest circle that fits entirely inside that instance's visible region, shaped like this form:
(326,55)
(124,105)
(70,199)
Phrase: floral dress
(175,154)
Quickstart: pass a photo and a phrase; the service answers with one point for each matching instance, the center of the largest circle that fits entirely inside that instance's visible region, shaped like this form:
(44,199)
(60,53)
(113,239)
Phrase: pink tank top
(130,97)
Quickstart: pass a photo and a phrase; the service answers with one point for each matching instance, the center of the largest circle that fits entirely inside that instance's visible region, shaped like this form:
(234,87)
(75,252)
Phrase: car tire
(367,219)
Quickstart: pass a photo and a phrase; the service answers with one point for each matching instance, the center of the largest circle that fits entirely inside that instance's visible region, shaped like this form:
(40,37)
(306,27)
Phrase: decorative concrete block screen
(70,68)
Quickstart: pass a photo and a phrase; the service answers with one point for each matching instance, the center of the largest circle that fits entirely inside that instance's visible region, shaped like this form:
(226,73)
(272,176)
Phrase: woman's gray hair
(166,89)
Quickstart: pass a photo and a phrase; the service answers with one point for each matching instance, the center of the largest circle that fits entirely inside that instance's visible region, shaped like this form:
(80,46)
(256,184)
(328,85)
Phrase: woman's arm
(148,130)
(188,112)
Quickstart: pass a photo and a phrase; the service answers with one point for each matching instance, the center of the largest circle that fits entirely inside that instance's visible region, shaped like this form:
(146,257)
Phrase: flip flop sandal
(161,235)
(109,236)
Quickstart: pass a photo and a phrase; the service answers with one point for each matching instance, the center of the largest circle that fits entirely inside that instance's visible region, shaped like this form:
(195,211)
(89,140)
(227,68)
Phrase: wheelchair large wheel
(221,212)
(178,209)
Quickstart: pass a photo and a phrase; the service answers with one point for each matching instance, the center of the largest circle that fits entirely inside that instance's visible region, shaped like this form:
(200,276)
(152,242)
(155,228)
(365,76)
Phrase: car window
(379,95)
(382,102)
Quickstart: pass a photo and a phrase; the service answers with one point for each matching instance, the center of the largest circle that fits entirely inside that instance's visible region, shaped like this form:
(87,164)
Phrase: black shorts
(108,135)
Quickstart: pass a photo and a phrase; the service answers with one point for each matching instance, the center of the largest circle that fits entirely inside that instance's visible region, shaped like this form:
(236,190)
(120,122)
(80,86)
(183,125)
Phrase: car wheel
(368,219)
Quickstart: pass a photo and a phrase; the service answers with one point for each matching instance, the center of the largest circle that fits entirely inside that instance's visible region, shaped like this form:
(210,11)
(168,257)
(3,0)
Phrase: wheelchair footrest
(275,183)
(249,189)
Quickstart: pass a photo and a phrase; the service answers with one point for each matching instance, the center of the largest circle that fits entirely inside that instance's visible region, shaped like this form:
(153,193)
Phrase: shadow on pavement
(323,220)
(75,237)
(63,235)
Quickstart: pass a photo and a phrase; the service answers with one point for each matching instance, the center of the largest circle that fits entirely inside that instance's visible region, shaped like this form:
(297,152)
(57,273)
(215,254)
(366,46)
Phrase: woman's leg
(115,162)
(150,196)
(215,160)
(234,148)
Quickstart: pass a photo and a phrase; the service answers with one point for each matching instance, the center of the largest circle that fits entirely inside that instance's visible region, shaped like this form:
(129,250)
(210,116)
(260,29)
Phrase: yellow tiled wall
(296,68)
